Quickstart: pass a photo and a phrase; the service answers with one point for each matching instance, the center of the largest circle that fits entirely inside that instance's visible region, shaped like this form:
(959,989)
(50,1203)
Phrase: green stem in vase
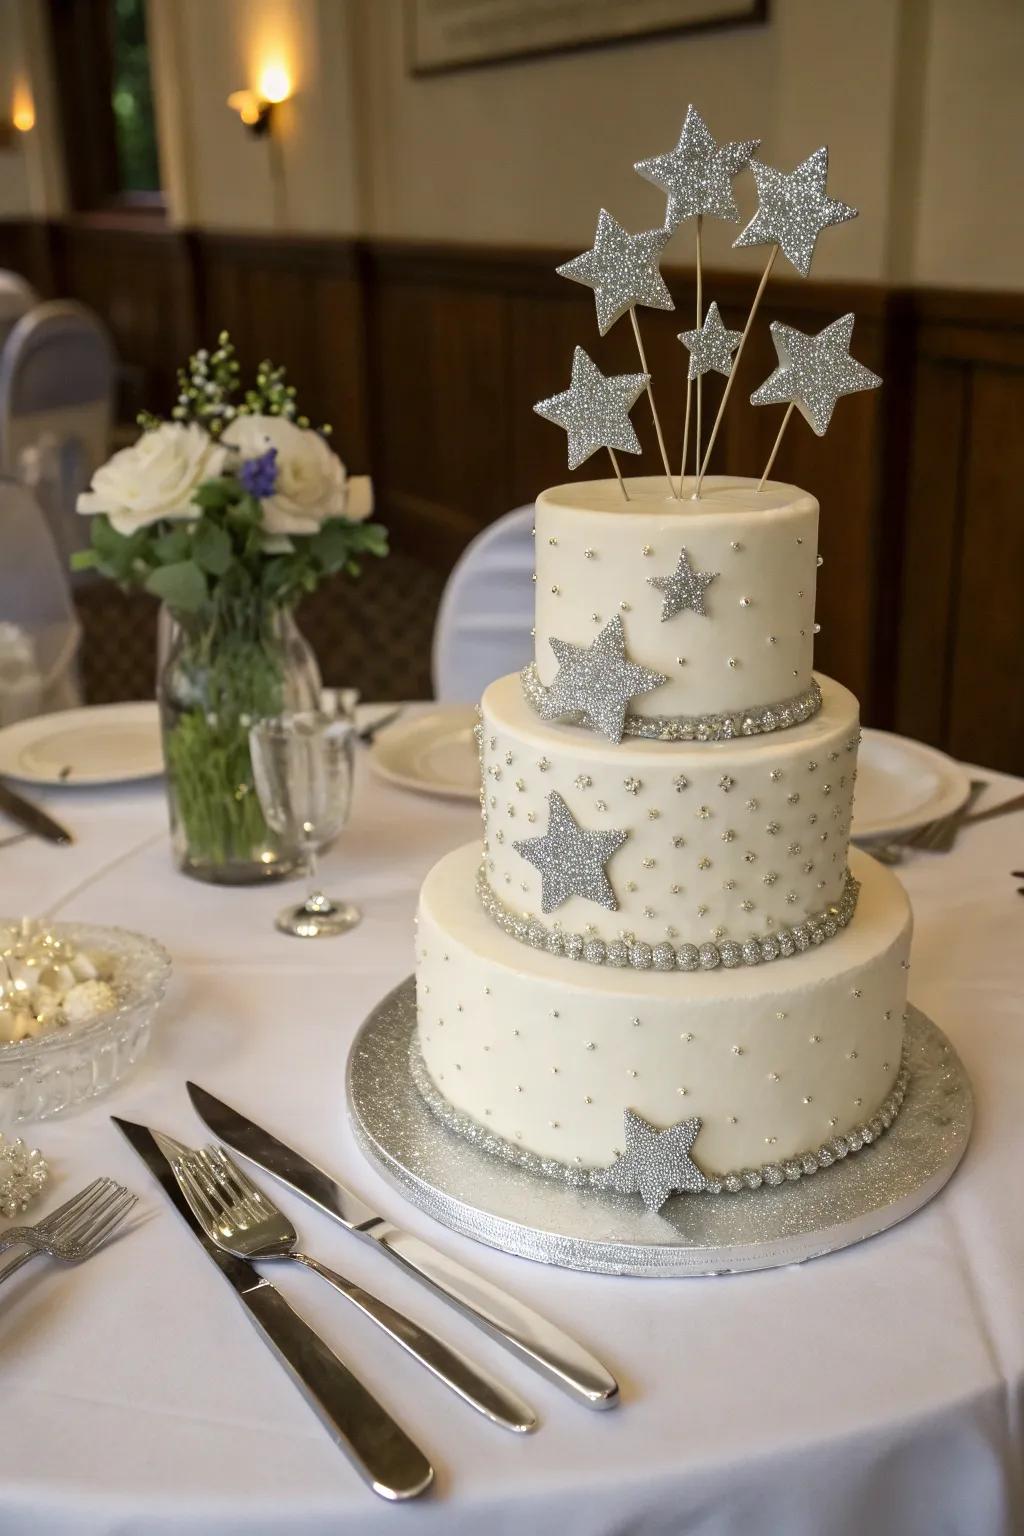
(227,674)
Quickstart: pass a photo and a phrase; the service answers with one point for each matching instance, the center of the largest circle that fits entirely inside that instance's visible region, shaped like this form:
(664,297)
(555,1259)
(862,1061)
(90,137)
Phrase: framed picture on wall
(464,34)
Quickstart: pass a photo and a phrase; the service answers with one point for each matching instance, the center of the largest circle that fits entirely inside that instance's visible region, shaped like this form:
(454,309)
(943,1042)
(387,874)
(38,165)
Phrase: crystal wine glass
(302,766)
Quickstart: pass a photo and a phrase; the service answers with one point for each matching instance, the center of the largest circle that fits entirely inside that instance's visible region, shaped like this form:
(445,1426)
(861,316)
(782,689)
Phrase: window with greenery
(132,100)
(101,55)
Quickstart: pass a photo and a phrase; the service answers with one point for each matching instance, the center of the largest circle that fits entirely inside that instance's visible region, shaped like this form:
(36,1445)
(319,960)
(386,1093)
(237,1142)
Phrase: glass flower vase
(246,661)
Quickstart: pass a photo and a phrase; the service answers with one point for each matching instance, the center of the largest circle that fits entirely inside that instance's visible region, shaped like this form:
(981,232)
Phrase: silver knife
(29,816)
(378,1448)
(540,1343)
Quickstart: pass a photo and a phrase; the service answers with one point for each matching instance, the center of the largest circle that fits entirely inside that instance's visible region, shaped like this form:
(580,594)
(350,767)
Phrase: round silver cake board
(524,1213)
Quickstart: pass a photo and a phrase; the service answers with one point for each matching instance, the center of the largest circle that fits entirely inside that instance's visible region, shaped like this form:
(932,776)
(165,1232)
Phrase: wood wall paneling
(428,360)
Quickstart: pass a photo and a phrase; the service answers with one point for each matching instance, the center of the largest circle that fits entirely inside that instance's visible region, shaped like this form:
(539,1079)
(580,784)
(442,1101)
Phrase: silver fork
(240,1219)
(75,1230)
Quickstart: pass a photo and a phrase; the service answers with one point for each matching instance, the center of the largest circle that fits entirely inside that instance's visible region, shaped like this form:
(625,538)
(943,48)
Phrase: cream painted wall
(529,152)
(919,101)
(970,224)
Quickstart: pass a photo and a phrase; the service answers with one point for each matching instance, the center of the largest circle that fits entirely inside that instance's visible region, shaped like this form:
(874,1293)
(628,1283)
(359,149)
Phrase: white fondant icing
(726,839)
(774,1060)
(595,556)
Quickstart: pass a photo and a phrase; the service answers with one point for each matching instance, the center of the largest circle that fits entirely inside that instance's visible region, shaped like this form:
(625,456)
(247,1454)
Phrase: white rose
(312,485)
(155,478)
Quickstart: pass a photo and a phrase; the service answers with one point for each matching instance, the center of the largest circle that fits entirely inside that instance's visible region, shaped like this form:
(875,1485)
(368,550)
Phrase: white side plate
(101,744)
(434,753)
(902,785)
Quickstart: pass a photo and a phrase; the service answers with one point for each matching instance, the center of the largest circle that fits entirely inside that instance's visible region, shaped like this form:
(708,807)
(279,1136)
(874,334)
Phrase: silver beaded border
(724,726)
(769,1175)
(665,956)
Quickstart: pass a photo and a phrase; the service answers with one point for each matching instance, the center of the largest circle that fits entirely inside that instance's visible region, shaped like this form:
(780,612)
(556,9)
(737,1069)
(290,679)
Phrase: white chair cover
(39,631)
(56,407)
(486,613)
(16,299)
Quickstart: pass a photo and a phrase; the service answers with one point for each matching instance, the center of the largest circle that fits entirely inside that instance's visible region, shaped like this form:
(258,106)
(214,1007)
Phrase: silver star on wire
(814,371)
(710,347)
(793,209)
(595,409)
(655,1163)
(597,681)
(685,588)
(698,173)
(570,859)
(622,269)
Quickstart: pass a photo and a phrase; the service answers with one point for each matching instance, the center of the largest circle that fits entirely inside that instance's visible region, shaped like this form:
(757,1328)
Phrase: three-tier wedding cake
(666,970)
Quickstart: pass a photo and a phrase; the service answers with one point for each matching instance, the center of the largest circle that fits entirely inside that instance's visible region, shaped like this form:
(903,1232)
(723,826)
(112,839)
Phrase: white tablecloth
(877,1390)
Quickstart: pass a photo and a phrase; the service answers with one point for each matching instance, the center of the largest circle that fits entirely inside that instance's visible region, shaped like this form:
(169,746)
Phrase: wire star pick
(594,411)
(623,271)
(813,373)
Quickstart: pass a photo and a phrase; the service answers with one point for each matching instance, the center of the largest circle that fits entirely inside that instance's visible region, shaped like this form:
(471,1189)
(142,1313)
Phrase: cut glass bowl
(52,1073)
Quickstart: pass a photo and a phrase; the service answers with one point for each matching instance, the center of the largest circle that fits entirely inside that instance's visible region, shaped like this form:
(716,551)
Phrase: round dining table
(877,1390)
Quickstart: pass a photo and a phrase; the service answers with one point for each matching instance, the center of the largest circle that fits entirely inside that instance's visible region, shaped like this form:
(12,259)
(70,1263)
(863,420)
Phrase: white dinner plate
(101,744)
(434,753)
(902,785)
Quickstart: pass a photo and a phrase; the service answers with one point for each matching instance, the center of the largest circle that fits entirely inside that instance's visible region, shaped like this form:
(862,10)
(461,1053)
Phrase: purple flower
(259,476)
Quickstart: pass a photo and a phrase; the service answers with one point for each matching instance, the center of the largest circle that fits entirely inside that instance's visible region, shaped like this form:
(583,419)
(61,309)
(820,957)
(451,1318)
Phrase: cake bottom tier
(774,1060)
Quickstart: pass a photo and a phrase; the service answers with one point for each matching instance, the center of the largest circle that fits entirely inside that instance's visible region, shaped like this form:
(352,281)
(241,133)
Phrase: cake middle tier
(662,843)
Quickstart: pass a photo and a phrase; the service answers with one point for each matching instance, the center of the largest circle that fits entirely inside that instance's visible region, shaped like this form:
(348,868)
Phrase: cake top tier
(717,594)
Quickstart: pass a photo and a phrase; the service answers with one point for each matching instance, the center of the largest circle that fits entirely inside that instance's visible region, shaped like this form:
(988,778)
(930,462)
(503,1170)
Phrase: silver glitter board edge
(473,1193)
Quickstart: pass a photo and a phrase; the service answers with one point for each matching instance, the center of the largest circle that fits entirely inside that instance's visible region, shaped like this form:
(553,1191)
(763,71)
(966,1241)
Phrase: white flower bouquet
(229,513)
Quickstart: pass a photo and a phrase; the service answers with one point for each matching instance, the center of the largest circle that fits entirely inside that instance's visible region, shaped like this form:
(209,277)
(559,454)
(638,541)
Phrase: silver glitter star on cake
(570,859)
(710,347)
(697,175)
(655,1163)
(597,681)
(594,410)
(622,269)
(685,588)
(814,371)
(793,209)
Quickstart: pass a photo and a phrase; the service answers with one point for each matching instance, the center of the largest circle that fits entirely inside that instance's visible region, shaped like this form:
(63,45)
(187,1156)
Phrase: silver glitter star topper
(570,859)
(710,347)
(698,174)
(594,411)
(622,269)
(813,373)
(793,209)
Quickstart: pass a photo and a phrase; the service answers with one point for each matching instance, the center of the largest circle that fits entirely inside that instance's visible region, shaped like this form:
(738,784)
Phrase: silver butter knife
(31,817)
(379,1449)
(540,1343)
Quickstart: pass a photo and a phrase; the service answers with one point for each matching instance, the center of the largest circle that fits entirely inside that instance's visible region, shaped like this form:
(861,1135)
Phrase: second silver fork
(240,1219)
(75,1230)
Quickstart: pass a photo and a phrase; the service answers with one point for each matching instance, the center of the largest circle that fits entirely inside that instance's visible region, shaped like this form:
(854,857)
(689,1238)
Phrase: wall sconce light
(22,118)
(256,108)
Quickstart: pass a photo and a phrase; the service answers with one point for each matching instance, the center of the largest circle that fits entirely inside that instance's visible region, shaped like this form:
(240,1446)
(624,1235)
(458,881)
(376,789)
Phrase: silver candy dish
(524,1213)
